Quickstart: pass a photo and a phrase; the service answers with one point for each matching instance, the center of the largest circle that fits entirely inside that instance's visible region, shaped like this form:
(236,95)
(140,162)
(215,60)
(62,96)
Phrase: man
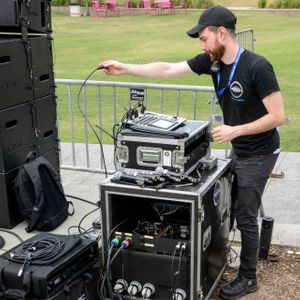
(252,106)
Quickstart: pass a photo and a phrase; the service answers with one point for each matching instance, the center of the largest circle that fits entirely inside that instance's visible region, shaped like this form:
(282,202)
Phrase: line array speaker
(36,15)
(28,117)
(20,82)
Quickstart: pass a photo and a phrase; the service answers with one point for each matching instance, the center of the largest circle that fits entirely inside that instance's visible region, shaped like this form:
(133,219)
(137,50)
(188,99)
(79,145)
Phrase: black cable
(81,199)
(127,116)
(108,269)
(106,274)
(85,233)
(110,135)
(119,296)
(179,266)
(111,232)
(41,250)
(87,120)
(115,255)
(172,266)
(86,215)
(13,233)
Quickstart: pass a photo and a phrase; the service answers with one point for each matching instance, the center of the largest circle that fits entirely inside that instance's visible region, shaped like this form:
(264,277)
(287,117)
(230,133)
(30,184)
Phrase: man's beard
(218,53)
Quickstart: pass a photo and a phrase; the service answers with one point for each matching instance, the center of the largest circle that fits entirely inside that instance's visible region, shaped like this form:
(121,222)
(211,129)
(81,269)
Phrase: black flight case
(178,236)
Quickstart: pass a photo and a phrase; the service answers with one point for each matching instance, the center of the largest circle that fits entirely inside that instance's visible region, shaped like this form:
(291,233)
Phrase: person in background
(252,105)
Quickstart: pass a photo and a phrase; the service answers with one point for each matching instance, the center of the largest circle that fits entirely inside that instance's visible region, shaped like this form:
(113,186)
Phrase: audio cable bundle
(40,251)
(106,276)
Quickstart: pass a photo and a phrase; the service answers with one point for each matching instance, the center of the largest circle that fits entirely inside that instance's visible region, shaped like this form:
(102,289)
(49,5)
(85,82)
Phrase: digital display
(164,124)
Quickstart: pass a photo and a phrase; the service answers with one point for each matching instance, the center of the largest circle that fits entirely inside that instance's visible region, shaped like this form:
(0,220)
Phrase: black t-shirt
(241,102)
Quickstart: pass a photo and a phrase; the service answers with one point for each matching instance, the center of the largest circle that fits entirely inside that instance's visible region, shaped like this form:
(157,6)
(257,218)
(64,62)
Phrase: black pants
(250,178)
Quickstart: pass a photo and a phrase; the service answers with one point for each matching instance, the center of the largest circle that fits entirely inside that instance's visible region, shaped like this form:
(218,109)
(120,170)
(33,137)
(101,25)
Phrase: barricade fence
(101,104)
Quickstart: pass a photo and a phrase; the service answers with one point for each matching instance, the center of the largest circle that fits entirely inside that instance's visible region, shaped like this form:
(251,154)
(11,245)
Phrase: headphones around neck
(215,67)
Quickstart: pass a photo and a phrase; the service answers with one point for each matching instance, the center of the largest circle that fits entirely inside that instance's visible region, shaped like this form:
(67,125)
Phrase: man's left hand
(224,133)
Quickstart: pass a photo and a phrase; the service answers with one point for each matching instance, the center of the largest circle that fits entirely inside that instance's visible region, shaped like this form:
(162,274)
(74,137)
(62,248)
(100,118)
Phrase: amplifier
(178,152)
(46,279)
(16,85)
(37,13)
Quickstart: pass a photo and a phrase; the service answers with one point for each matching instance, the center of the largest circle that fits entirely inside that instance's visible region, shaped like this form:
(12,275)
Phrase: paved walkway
(281,197)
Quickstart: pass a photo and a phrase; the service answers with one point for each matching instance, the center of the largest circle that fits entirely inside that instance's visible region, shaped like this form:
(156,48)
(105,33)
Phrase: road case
(174,238)
(179,152)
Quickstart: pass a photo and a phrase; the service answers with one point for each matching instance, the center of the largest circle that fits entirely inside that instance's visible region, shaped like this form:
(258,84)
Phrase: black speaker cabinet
(177,236)
(46,123)
(16,136)
(16,86)
(36,12)
(9,214)
(42,65)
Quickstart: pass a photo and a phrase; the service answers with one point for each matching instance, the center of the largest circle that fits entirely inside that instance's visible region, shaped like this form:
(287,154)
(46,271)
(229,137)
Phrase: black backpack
(40,195)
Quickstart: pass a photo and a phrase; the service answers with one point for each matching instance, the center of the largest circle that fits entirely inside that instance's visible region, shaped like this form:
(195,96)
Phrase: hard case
(145,152)
(78,262)
(204,212)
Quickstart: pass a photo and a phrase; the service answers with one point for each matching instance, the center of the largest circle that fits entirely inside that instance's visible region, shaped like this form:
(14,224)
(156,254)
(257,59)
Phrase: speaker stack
(28,119)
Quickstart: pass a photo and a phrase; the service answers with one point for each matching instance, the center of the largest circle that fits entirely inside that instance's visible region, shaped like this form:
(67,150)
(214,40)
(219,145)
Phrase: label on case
(167,158)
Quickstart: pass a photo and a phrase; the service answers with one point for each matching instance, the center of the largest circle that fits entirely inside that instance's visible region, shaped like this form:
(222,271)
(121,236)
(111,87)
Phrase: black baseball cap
(214,16)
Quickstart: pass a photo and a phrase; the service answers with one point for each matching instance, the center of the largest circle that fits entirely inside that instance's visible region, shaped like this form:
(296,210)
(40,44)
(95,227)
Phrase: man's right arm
(153,70)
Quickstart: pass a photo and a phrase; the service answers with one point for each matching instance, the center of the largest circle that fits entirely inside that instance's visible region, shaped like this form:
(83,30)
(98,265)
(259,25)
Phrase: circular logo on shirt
(236,90)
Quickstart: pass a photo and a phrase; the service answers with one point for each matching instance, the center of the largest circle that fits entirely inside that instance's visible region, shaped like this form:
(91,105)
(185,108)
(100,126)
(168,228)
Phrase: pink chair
(98,10)
(167,5)
(112,6)
(147,6)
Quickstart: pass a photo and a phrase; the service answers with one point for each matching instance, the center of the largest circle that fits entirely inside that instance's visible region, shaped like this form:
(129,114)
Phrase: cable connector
(179,294)
(134,288)
(26,261)
(148,290)
(115,242)
(178,246)
(125,244)
(120,286)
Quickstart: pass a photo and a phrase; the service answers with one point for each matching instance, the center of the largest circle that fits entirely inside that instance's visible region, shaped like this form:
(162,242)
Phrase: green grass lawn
(81,43)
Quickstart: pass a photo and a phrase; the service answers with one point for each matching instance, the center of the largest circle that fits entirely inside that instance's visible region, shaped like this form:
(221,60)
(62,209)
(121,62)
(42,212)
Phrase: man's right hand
(112,67)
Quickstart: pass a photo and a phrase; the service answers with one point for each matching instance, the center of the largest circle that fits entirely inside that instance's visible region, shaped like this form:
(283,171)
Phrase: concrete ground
(280,199)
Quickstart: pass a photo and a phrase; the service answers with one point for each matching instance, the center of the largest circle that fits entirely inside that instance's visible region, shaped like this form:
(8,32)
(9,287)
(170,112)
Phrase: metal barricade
(78,152)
